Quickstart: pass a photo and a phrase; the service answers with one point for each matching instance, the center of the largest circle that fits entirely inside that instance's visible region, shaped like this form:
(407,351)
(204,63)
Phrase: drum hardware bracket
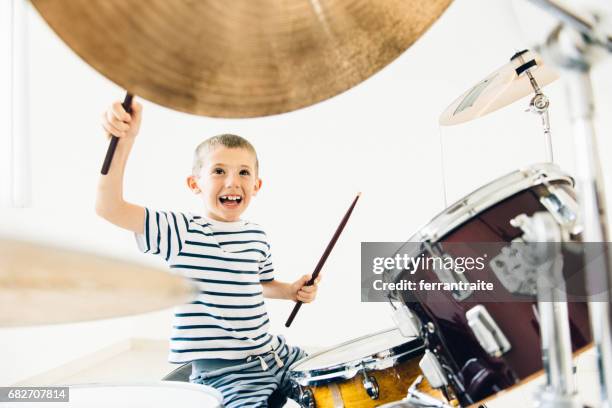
(563,208)
(431,368)
(509,267)
(419,399)
(370,384)
(487,332)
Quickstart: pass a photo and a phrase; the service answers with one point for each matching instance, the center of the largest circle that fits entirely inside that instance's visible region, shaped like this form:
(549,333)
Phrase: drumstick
(127,105)
(326,253)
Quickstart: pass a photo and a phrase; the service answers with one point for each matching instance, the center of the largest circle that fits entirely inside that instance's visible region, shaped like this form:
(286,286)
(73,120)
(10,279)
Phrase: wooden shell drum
(365,372)
(459,329)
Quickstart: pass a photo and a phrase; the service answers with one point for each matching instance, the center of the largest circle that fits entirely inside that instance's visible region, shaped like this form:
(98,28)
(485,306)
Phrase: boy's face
(226,183)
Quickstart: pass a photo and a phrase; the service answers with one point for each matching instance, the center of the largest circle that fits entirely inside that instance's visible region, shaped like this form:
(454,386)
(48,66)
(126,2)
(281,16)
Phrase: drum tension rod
(369,383)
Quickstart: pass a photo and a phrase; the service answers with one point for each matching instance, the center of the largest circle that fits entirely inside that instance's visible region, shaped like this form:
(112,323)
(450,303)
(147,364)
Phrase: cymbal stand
(542,250)
(539,104)
(575,46)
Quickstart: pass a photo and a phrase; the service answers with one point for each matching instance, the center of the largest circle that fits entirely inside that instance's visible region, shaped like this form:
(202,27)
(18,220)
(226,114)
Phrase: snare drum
(477,347)
(366,372)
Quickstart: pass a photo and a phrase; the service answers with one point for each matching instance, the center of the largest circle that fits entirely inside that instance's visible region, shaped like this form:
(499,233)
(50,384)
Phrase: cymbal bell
(46,285)
(504,86)
(239,58)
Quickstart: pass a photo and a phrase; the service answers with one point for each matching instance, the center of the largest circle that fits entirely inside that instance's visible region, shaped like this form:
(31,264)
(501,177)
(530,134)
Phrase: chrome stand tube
(543,239)
(575,47)
(593,213)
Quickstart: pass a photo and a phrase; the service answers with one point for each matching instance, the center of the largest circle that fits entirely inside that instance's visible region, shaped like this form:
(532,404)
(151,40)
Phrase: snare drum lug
(407,321)
(306,399)
(371,385)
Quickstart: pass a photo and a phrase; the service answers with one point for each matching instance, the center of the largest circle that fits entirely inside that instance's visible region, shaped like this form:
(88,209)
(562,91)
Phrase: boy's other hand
(117,122)
(303,293)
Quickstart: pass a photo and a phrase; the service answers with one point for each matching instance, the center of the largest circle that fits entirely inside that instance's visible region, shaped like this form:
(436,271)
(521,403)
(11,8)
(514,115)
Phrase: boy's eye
(218,170)
(245,173)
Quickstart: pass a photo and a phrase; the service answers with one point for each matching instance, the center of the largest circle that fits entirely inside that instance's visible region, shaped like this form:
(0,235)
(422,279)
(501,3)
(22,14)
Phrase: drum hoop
(487,196)
(411,348)
(158,384)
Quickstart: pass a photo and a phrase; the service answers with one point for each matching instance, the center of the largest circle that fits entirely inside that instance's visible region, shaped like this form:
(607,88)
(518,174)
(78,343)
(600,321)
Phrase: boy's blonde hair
(226,140)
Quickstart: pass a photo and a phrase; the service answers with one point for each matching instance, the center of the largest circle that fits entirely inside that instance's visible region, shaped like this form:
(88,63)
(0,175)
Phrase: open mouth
(230,200)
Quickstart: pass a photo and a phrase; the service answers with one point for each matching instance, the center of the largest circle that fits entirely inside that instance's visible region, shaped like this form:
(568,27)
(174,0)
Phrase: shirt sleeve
(266,269)
(162,233)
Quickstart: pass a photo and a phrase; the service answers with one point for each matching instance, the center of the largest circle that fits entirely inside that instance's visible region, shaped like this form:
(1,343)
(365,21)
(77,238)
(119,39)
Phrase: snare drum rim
(487,196)
(413,347)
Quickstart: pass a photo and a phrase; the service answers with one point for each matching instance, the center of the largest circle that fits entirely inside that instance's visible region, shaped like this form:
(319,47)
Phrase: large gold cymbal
(44,285)
(239,58)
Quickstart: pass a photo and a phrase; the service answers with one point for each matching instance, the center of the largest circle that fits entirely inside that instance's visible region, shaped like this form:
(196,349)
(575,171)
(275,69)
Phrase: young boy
(224,333)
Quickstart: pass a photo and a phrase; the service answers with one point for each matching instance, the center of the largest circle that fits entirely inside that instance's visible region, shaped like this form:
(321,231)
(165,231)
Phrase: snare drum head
(368,349)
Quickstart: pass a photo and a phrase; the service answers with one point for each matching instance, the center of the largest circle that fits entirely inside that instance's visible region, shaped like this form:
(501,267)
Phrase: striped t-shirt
(227,262)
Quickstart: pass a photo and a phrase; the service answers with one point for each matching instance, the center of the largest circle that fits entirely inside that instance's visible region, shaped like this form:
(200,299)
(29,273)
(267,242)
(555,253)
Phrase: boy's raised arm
(110,204)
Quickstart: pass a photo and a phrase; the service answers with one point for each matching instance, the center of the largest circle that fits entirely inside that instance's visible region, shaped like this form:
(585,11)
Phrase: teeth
(231,197)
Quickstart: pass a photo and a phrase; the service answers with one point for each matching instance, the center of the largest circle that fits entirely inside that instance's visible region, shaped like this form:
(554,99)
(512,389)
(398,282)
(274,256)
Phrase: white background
(380,138)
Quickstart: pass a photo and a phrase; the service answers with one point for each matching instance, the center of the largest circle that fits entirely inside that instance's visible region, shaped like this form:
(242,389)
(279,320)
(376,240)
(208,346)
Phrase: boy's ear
(192,183)
(258,185)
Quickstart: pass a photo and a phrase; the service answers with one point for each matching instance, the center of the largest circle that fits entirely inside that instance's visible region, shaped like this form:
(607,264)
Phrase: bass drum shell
(476,374)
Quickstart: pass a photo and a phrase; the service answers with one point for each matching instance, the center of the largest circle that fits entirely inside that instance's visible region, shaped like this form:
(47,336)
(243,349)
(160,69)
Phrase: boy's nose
(231,180)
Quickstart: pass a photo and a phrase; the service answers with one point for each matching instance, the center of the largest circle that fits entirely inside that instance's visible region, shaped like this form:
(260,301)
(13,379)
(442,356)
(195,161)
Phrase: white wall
(380,138)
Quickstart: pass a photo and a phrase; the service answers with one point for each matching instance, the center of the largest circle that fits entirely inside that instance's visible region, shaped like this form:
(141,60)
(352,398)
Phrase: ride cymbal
(239,58)
(503,87)
(45,285)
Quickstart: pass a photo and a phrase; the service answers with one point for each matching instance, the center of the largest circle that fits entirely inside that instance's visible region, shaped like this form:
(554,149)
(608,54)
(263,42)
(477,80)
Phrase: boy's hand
(117,122)
(302,292)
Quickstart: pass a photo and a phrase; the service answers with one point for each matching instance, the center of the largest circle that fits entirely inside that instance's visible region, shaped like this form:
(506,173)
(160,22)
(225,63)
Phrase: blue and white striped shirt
(227,262)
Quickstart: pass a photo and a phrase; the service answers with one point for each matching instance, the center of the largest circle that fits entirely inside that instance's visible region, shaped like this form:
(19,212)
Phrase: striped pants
(250,384)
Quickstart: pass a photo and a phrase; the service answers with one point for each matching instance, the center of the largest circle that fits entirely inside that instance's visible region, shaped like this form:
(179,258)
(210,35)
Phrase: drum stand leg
(575,46)
(543,237)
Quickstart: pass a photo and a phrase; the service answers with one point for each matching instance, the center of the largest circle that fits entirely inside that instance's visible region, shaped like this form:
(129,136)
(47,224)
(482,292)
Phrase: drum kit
(454,351)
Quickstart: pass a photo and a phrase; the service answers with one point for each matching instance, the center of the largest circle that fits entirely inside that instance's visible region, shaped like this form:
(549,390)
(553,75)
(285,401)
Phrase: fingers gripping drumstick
(326,253)
(127,105)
